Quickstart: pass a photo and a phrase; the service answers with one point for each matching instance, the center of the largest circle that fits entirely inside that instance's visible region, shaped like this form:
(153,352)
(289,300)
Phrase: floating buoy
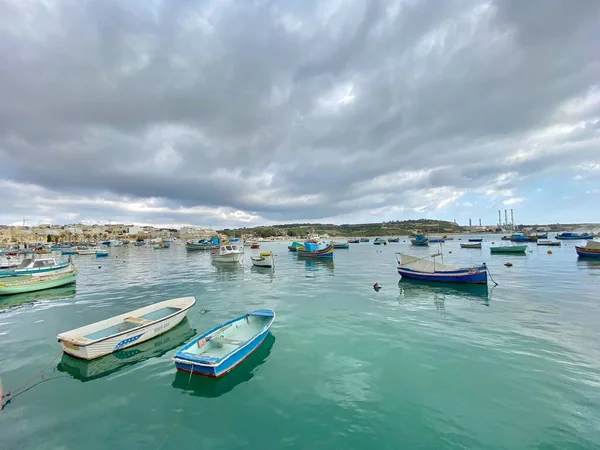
(99,267)
(549,252)
(376,286)
(508,264)
(493,242)
(450,251)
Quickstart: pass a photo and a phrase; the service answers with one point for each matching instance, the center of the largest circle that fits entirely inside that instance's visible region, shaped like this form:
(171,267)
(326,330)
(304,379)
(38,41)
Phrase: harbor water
(411,366)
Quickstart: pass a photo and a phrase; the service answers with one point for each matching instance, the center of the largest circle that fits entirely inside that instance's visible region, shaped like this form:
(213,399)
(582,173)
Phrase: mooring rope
(490,274)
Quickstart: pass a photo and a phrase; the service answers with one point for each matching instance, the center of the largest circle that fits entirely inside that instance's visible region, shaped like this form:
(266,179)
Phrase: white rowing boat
(119,332)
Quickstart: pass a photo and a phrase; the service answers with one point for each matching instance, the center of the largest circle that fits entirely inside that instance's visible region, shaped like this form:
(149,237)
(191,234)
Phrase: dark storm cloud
(292,110)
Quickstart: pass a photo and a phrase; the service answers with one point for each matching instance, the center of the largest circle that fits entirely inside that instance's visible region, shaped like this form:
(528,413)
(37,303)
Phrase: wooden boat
(125,330)
(354,241)
(295,246)
(379,241)
(420,240)
(311,250)
(509,249)
(591,250)
(364,239)
(520,237)
(472,245)
(393,239)
(574,236)
(38,267)
(28,283)
(475,239)
(340,245)
(221,349)
(265,259)
(203,244)
(228,253)
(424,270)
(255,245)
(549,243)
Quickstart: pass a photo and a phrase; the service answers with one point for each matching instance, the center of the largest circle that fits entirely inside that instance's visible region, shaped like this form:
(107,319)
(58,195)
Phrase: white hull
(267,261)
(76,344)
(88,251)
(228,257)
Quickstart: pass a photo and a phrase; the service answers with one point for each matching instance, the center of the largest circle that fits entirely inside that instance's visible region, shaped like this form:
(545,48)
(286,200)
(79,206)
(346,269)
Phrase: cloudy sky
(238,113)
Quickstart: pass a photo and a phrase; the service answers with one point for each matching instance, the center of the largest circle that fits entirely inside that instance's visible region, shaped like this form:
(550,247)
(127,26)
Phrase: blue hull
(574,237)
(585,254)
(476,275)
(343,247)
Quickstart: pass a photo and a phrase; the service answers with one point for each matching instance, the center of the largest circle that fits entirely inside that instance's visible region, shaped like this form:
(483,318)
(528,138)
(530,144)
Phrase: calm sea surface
(412,366)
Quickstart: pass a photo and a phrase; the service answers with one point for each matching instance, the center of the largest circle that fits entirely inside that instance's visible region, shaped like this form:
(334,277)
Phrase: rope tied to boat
(203,311)
(490,274)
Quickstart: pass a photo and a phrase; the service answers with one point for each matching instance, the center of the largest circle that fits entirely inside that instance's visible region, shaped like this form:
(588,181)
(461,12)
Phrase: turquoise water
(411,366)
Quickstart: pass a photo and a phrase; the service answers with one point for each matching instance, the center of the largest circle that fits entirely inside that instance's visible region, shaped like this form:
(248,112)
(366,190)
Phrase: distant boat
(420,240)
(475,239)
(265,259)
(69,251)
(295,246)
(38,267)
(340,245)
(203,244)
(364,239)
(379,241)
(436,240)
(221,349)
(574,236)
(520,237)
(255,245)
(549,243)
(591,250)
(28,283)
(424,270)
(311,250)
(509,249)
(542,235)
(87,250)
(101,253)
(472,245)
(394,239)
(125,330)
(354,241)
(228,252)
(506,238)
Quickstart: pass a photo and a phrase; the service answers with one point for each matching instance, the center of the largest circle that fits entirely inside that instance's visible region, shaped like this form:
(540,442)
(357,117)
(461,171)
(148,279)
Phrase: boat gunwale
(220,361)
(75,339)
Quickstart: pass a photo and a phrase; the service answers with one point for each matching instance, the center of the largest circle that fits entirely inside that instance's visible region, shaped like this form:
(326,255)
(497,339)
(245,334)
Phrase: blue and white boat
(425,270)
(574,236)
(420,240)
(379,241)
(218,351)
(101,253)
(203,244)
(38,267)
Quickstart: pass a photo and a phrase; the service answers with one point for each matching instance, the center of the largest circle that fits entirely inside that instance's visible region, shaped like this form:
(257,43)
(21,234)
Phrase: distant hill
(393,228)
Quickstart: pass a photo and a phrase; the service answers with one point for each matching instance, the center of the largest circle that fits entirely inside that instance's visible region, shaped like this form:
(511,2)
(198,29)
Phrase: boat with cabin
(264,259)
(430,270)
(591,250)
(38,267)
(379,241)
(125,330)
(228,252)
(221,349)
(574,236)
(203,244)
(420,240)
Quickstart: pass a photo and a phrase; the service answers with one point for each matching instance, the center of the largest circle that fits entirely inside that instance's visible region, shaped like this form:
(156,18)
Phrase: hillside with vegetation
(393,228)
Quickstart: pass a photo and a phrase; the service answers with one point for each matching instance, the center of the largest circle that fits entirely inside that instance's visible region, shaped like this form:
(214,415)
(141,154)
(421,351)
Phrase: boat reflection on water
(199,386)
(11,302)
(83,370)
(226,271)
(589,263)
(416,288)
(315,265)
(266,271)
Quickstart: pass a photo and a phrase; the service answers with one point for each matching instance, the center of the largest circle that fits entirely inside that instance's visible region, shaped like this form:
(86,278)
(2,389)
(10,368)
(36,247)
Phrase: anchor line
(490,274)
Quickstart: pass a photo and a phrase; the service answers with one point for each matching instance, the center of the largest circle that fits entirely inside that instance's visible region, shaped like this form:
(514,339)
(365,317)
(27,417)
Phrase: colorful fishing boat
(38,267)
(591,250)
(295,246)
(265,259)
(221,349)
(520,237)
(203,244)
(101,253)
(340,245)
(311,250)
(509,249)
(471,245)
(422,269)
(420,240)
(125,330)
(27,283)
(574,236)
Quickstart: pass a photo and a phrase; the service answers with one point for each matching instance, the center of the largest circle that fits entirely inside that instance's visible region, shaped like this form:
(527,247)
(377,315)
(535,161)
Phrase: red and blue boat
(221,349)
(312,250)
(425,270)
(591,250)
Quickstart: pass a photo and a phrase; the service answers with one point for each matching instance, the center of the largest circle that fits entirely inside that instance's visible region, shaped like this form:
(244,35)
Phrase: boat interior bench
(137,320)
(224,340)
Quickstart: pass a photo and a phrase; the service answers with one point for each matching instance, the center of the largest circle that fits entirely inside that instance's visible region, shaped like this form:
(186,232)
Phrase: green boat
(509,249)
(27,283)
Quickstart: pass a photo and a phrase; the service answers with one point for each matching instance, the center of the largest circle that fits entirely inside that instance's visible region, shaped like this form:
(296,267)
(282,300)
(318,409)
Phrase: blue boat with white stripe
(424,270)
(221,349)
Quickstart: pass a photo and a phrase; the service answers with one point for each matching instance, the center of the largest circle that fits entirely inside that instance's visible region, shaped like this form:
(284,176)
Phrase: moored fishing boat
(424,270)
(549,243)
(471,245)
(394,239)
(87,250)
(221,349)
(125,330)
(574,236)
(379,241)
(354,241)
(340,245)
(27,283)
(436,240)
(38,267)
(364,239)
(591,250)
(228,252)
(295,246)
(475,239)
(311,250)
(203,244)
(420,240)
(520,237)
(509,249)
(255,245)
(265,259)
(101,253)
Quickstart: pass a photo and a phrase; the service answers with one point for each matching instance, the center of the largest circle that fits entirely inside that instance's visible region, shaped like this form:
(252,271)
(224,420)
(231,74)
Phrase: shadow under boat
(269,271)
(479,292)
(199,386)
(314,265)
(14,301)
(84,370)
